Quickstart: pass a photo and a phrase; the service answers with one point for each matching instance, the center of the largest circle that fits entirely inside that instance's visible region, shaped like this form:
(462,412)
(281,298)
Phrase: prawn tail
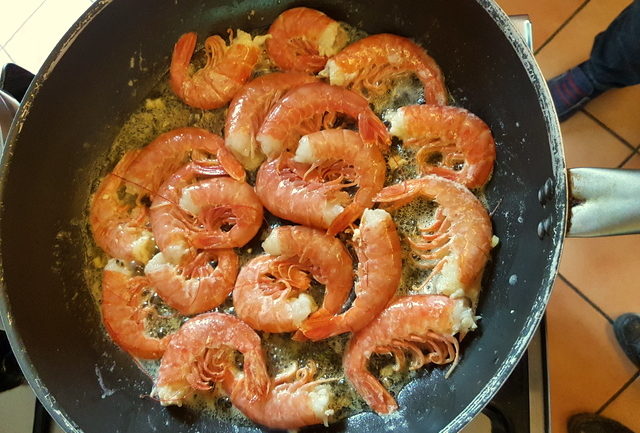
(447,173)
(372,391)
(321,325)
(180,60)
(372,131)
(231,164)
(342,221)
(394,196)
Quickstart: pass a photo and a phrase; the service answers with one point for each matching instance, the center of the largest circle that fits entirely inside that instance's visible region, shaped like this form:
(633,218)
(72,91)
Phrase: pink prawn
(249,108)
(305,109)
(270,291)
(410,324)
(379,271)
(123,313)
(202,354)
(302,39)
(368,66)
(227,69)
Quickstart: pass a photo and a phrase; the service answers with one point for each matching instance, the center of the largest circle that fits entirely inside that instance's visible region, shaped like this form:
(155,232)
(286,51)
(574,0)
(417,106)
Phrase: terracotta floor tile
(546,15)
(634,162)
(626,407)
(587,144)
(606,270)
(619,109)
(573,44)
(579,339)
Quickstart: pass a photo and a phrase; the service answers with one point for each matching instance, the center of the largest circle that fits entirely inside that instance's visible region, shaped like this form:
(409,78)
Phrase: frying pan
(102,70)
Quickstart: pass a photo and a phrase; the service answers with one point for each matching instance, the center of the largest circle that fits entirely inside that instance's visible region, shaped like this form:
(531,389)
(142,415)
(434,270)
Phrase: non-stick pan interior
(102,71)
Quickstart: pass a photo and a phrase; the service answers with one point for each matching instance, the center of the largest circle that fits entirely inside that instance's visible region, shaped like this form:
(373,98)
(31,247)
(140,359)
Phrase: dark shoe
(571,91)
(591,423)
(627,330)
(10,374)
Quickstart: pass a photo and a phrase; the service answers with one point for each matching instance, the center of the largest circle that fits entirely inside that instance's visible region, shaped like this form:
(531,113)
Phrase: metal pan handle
(603,202)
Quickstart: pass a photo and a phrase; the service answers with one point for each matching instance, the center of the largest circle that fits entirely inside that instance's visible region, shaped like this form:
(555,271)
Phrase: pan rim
(27,367)
(513,356)
(559,225)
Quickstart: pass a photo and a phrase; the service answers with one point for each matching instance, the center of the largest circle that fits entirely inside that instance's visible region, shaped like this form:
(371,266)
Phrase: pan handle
(603,202)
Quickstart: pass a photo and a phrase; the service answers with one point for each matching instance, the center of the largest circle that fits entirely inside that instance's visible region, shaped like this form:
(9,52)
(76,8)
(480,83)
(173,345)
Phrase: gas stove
(520,406)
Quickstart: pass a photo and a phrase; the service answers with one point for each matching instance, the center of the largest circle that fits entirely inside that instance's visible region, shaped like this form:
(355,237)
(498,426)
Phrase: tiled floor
(600,278)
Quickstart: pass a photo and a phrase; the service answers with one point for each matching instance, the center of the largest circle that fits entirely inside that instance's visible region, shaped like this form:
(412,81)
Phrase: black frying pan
(82,95)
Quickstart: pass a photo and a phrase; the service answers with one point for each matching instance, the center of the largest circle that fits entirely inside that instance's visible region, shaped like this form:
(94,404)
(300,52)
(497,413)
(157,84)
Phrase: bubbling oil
(161,112)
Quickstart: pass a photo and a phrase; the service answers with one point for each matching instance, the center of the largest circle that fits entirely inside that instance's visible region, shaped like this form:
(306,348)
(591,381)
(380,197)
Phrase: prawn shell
(464,238)
(118,230)
(455,133)
(249,108)
(378,277)
(303,38)
(223,193)
(369,63)
(264,298)
(196,286)
(227,69)
(302,110)
(184,360)
(342,146)
(288,405)
(123,315)
(408,323)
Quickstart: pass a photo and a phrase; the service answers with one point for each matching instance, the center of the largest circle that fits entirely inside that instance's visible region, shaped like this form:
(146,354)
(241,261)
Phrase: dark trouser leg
(615,56)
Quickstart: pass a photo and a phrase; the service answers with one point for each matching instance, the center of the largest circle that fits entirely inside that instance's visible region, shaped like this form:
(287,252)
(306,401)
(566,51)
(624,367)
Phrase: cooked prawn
(187,213)
(340,155)
(284,191)
(123,313)
(379,270)
(307,108)
(457,244)
(368,65)
(120,227)
(295,400)
(202,354)
(409,324)
(270,291)
(454,135)
(249,108)
(309,188)
(198,284)
(227,68)
(302,39)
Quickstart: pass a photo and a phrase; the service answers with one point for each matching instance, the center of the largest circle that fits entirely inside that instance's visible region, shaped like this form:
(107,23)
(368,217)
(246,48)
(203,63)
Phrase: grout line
(618,392)
(624,161)
(7,53)
(25,21)
(562,26)
(608,129)
(583,296)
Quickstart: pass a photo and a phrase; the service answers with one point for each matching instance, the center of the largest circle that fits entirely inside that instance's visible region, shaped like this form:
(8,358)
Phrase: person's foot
(571,91)
(591,423)
(627,330)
